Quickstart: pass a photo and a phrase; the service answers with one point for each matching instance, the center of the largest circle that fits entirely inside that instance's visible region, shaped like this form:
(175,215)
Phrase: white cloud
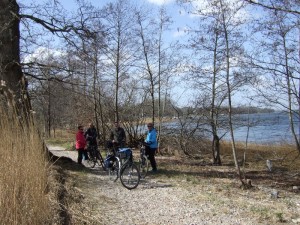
(160,2)
(42,54)
(180,32)
(205,7)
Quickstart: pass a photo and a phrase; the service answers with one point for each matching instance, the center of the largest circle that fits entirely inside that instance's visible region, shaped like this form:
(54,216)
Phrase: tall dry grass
(284,154)
(23,174)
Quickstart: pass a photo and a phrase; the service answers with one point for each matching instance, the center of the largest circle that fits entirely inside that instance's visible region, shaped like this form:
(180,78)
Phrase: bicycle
(95,157)
(112,164)
(143,161)
(120,164)
(129,172)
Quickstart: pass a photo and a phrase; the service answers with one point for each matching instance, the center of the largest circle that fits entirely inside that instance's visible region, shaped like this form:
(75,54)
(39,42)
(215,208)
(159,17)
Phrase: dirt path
(161,199)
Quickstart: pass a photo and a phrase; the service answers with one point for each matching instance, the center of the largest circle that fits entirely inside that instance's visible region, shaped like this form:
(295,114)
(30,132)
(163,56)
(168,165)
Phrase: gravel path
(161,200)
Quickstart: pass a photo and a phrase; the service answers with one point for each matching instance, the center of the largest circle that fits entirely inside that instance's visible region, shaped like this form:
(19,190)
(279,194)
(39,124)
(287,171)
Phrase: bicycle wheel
(100,160)
(130,176)
(114,170)
(143,166)
(91,162)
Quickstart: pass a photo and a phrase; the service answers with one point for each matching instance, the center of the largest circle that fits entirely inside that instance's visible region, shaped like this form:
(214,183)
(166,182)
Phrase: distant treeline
(224,110)
(251,110)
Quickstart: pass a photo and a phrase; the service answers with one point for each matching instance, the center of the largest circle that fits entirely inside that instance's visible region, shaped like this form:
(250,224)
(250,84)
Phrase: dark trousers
(150,152)
(82,152)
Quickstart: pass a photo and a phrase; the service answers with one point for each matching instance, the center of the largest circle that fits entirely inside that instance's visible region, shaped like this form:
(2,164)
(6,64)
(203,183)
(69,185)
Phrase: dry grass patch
(23,174)
(219,186)
(64,138)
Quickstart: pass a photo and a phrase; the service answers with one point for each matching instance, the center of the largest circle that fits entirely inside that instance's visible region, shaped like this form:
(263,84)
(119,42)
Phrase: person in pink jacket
(81,145)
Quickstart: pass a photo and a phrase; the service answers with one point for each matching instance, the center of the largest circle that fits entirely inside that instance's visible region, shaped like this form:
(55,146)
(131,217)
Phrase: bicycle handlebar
(142,143)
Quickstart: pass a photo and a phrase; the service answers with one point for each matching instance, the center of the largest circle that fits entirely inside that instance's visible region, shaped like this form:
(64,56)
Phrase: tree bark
(13,86)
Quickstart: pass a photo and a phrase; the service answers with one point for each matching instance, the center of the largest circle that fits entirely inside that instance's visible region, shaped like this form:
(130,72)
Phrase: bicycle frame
(143,161)
(123,167)
(95,156)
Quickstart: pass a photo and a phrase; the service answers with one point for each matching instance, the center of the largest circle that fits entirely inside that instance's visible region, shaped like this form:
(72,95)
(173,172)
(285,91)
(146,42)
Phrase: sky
(179,18)
(177,32)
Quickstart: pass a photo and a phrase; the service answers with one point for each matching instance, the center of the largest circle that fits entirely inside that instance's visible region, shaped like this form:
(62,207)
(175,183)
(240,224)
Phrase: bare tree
(191,131)
(224,45)
(119,45)
(226,14)
(147,51)
(209,78)
(81,36)
(288,6)
(158,60)
(276,61)
(213,51)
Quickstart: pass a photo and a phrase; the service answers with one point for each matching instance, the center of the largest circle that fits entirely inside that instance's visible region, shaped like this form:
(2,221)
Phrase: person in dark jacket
(91,135)
(118,136)
(81,145)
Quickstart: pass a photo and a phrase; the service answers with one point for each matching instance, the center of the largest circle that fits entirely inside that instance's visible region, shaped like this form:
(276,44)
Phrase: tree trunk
(229,95)
(290,93)
(13,86)
(213,114)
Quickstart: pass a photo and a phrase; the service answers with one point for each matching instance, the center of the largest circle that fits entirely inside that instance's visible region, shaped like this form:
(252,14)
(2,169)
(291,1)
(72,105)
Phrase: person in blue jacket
(151,147)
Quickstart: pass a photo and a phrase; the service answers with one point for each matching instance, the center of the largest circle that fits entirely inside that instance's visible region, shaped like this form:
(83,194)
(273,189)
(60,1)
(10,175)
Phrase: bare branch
(272,7)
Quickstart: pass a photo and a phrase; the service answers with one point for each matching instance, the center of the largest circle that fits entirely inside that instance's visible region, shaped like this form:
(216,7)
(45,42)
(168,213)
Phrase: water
(265,128)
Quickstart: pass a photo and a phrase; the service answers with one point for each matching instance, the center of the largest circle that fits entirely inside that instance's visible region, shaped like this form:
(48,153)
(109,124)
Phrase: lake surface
(267,128)
(273,128)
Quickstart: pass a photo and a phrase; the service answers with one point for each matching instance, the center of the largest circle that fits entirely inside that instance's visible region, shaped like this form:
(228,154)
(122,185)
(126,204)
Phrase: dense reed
(23,173)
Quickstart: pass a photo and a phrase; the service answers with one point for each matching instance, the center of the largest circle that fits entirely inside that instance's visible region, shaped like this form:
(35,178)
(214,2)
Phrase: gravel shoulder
(166,198)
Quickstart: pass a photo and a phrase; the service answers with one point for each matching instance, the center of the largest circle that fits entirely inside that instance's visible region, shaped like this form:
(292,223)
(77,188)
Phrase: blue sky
(180,18)
(177,30)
